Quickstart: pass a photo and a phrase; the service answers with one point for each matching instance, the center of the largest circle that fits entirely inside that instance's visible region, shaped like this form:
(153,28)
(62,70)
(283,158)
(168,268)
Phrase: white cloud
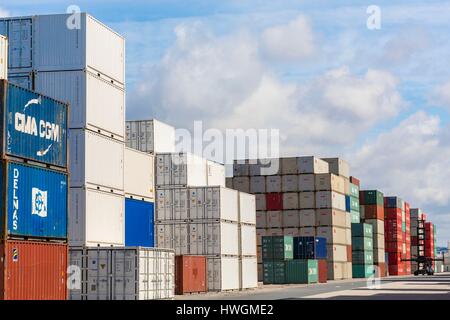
(410,161)
(441,95)
(289,42)
(226,82)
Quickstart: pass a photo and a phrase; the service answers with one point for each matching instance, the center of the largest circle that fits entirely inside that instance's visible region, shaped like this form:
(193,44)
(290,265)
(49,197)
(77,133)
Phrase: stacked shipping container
(299,197)
(362,253)
(139,198)
(84,66)
(34,189)
(396,235)
(340,247)
(372,212)
(197,215)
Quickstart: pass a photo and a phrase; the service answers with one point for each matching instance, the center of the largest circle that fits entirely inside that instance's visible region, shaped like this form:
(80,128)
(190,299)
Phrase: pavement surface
(435,287)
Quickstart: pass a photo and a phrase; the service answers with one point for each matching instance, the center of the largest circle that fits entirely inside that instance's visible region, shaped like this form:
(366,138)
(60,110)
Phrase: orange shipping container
(190,274)
(33,270)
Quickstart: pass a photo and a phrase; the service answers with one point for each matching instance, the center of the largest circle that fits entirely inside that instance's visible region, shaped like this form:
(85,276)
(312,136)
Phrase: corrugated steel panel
(190,274)
(36,202)
(35,127)
(33,271)
(23,80)
(139,223)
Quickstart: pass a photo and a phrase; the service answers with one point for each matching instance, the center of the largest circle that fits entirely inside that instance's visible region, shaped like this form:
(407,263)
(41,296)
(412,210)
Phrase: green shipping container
(362,244)
(362,230)
(355,216)
(363,271)
(362,257)
(277,248)
(354,190)
(404,226)
(274,272)
(354,204)
(373,197)
(302,271)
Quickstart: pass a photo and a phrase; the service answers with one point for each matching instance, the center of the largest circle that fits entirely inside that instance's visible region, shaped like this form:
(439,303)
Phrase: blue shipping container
(139,223)
(36,202)
(310,248)
(347,204)
(34,126)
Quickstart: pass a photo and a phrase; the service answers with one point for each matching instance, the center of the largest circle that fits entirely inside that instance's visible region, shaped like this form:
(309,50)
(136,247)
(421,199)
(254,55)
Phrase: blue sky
(379,98)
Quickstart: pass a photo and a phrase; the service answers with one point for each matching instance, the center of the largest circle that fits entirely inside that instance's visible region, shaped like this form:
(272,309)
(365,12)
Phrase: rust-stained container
(33,270)
(190,274)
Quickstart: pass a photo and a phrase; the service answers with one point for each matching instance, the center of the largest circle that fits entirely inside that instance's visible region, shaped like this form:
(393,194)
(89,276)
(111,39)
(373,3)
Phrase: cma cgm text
(28,125)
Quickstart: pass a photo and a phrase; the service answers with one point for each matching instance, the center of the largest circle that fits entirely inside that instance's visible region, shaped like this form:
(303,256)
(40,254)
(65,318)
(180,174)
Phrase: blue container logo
(39,202)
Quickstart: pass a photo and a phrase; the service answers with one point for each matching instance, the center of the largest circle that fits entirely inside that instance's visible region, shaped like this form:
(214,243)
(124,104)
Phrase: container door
(147,142)
(197,203)
(163,169)
(213,203)
(179,169)
(20,43)
(23,80)
(98,270)
(180,204)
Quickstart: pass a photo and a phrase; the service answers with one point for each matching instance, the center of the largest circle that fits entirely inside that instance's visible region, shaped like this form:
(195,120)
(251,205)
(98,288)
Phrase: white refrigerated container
(95,103)
(139,178)
(96,218)
(223,273)
(151,136)
(180,169)
(96,161)
(247,208)
(131,273)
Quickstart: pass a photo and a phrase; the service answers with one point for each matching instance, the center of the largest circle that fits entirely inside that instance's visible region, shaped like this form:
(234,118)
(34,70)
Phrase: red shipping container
(407,208)
(393,214)
(190,274)
(349,253)
(396,270)
(373,211)
(395,258)
(355,181)
(380,270)
(393,236)
(274,201)
(33,270)
(393,246)
(323,270)
(407,268)
(393,225)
